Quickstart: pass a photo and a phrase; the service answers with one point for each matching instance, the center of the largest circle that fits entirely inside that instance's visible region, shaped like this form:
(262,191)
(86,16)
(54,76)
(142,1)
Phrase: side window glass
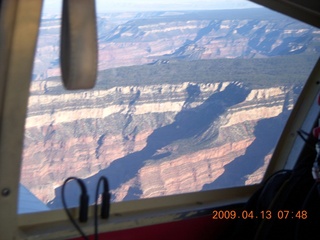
(185,101)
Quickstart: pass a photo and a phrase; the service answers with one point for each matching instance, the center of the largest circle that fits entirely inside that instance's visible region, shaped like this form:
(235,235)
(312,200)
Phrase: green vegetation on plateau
(256,72)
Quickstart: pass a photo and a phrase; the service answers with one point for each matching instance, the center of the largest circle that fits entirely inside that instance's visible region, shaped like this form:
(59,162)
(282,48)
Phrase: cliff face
(151,140)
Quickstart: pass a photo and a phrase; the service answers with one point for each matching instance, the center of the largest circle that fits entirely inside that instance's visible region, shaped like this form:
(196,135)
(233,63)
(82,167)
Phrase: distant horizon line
(163,10)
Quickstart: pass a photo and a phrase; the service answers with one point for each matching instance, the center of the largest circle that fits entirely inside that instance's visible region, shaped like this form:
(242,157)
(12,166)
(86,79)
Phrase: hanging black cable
(304,136)
(105,204)
(84,201)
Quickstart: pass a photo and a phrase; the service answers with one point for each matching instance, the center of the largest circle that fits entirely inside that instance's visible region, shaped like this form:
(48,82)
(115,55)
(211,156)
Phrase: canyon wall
(149,141)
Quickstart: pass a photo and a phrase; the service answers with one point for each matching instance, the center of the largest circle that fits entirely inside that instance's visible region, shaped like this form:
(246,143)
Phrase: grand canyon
(185,101)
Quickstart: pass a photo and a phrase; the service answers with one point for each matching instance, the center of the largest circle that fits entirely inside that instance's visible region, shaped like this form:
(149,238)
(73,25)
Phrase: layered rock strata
(153,139)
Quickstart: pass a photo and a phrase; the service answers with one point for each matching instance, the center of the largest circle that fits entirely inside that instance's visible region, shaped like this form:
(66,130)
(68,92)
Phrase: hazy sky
(54,6)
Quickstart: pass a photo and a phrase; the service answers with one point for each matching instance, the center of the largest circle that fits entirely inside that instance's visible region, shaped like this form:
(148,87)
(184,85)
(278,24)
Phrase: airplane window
(190,97)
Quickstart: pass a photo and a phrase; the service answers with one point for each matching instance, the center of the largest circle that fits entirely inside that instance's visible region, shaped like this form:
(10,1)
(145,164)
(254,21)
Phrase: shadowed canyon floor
(190,124)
